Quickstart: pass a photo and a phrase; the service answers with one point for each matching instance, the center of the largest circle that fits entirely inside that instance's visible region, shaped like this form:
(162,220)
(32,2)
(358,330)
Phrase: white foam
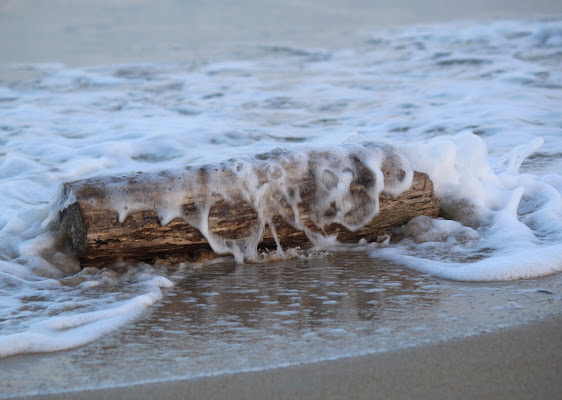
(508,264)
(518,217)
(63,331)
(336,184)
(424,229)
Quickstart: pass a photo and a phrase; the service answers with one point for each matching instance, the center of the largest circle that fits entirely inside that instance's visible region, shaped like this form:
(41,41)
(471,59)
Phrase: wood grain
(91,231)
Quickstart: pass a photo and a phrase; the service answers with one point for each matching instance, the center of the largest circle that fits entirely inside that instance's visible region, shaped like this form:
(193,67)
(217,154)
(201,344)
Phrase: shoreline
(517,362)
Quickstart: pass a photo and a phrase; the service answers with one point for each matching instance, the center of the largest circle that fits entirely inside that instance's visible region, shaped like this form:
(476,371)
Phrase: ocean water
(477,105)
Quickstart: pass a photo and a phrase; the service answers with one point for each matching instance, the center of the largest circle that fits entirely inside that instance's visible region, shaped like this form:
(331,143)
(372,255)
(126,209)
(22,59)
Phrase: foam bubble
(518,217)
(424,229)
(61,333)
(70,302)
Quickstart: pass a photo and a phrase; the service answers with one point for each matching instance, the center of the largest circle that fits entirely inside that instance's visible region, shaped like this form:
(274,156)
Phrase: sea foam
(513,222)
(335,184)
(76,313)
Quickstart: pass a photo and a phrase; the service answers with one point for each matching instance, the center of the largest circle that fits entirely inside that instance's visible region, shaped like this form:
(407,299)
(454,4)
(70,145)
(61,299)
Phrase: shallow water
(474,104)
(229,317)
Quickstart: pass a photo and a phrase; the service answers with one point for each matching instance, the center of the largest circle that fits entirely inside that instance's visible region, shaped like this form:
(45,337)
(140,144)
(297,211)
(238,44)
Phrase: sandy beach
(517,362)
(523,362)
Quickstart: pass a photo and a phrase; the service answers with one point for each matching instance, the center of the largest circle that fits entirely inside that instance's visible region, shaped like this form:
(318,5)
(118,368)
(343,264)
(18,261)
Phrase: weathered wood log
(91,229)
(142,217)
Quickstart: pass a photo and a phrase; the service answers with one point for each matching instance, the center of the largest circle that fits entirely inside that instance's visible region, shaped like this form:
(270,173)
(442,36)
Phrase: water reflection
(350,292)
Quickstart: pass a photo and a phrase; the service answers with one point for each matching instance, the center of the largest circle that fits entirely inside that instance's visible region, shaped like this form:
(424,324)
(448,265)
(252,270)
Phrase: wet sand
(521,362)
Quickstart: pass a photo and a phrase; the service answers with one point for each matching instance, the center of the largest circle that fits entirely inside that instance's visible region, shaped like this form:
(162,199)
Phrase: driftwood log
(90,229)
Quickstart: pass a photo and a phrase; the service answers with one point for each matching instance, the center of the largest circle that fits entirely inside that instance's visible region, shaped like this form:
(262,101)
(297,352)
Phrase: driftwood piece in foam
(90,229)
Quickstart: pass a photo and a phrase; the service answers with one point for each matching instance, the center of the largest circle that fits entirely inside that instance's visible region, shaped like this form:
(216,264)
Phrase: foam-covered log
(148,216)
